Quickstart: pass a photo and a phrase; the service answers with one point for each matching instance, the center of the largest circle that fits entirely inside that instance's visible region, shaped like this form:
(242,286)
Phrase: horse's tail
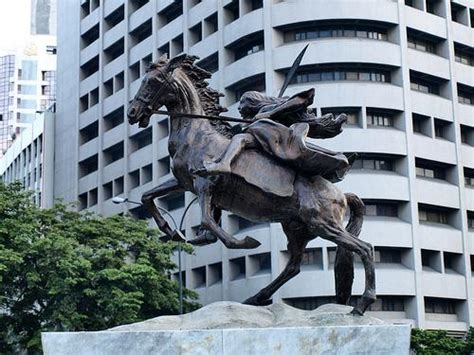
(344,263)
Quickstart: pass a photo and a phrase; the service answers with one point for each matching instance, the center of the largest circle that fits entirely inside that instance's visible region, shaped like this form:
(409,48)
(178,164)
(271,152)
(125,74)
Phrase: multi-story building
(402,71)
(30,158)
(27,86)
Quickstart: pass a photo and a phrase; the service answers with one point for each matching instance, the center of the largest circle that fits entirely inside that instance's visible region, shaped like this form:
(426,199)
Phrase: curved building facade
(402,71)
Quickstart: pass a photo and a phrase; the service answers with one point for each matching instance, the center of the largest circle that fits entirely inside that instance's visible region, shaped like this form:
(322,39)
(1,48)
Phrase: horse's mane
(208,96)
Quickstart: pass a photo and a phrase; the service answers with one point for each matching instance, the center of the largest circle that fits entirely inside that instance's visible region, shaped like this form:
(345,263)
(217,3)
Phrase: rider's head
(251,102)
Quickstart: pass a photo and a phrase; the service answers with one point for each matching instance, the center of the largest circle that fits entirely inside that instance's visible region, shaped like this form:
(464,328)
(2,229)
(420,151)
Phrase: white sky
(14,24)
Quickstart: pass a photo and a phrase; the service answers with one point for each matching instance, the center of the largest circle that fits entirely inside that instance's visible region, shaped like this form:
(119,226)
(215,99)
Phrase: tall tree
(64,270)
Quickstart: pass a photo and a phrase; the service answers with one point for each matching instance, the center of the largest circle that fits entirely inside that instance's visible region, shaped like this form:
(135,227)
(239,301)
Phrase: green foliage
(430,342)
(62,270)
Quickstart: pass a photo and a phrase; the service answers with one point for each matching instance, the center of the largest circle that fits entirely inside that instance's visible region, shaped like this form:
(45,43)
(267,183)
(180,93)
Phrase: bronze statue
(261,186)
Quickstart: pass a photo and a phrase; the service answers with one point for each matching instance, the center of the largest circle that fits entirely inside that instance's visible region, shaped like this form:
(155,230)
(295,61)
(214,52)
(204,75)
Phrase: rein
(193,115)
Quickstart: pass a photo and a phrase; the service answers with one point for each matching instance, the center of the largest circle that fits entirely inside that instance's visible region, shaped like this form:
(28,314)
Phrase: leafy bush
(63,270)
(430,342)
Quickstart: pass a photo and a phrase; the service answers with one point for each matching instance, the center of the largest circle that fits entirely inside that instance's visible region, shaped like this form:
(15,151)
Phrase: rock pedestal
(235,329)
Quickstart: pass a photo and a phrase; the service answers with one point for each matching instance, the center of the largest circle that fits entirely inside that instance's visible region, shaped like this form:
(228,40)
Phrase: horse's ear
(176,61)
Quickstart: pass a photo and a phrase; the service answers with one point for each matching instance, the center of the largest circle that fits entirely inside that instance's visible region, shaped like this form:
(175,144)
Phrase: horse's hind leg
(335,233)
(296,246)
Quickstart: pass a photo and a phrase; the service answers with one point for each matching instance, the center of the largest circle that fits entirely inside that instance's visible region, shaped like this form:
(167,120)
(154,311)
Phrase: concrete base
(375,339)
(235,329)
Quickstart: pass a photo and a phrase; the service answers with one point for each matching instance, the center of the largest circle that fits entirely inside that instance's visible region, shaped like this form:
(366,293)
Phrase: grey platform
(235,329)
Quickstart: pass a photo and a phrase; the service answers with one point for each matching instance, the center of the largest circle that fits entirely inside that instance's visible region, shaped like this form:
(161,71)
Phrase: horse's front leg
(168,187)
(204,191)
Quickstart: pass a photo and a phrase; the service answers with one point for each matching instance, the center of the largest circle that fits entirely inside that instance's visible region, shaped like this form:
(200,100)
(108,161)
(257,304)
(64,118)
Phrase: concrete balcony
(89,116)
(467,156)
(464,74)
(115,33)
(425,22)
(208,45)
(354,93)
(245,67)
(114,169)
(370,184)
(436,192)
(244,26)
(169,31)
(338,50)
(387,232)
(115,66)
(439,237)
(90,20)
(385,141)
(430,104)
(465,114)
(428,63)
(201,11)
(115,101)
(89,84)
(462,34)
(90,52)
(111,5)
(113,136)
(284,13)
(88,149)
(88,182)
(141,50)
(434,149)
(435,284)
(469,198)
(140,157)
(141,15)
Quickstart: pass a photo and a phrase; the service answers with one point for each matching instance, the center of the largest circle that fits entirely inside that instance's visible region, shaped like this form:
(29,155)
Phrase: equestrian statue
(263,170)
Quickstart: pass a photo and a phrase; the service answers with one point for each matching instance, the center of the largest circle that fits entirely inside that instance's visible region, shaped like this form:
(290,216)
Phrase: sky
(14,24)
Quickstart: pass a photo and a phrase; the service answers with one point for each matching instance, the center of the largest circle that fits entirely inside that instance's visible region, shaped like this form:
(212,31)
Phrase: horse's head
(155,91)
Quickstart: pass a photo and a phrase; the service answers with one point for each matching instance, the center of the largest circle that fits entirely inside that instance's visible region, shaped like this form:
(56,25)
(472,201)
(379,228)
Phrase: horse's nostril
(132,111)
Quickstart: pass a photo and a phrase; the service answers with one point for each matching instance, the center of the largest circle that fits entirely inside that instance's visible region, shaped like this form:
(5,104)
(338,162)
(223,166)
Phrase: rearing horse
(259,188)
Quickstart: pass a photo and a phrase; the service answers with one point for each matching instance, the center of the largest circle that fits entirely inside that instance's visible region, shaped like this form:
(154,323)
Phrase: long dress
(289,145)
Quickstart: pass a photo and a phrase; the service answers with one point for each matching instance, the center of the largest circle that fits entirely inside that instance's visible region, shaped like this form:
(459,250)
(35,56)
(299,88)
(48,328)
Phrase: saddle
(264,172)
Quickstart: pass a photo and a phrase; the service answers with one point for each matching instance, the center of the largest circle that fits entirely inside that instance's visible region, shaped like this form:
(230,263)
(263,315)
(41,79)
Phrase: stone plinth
(232,328)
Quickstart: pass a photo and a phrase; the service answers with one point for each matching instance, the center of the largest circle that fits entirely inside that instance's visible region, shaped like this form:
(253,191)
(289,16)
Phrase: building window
(356,74)
(312,257)
(199,277)
(237,268)
(376,163)
(465,94)
(114,118)
(260,263)
(440,305)
(231,11)
(335,31)
(114,51)
(113,153)
(170,13)
(432,214)
(430,169)
(141,139)
(141,33)
(463,54)
(470,219)
(215,273)
(195,34)
(89,68)
(380,118)
(421,44)
(173,202)
(88,166)
(115,17)
(210,63)
(255,83)
(381,209)
(388,255)
(469,177)
(352,113)
(388,304)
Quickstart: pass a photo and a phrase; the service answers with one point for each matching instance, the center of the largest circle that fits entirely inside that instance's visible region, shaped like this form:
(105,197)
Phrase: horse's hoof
(203,239)
(357,312)
(251,243)
(254,301)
